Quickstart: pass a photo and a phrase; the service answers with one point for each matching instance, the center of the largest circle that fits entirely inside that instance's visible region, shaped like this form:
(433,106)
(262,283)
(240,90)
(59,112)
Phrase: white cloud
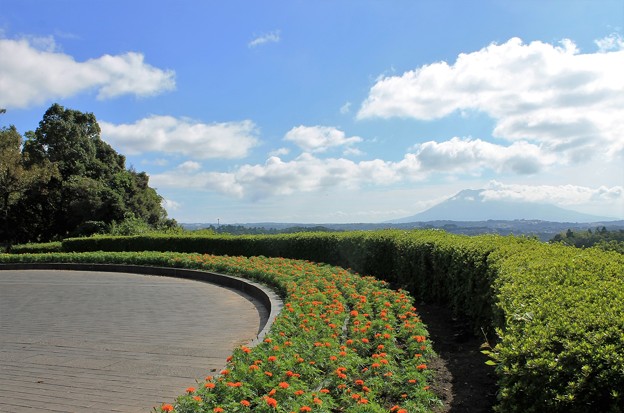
(305,173)
(280,152)
(33,71)
(182,136)
(567,102)
(308,173)
(157,162)
(614,41)
(346,108)
(171,205)
(319,138)
(189,166)
(271,37)
(474,155)
(554,194)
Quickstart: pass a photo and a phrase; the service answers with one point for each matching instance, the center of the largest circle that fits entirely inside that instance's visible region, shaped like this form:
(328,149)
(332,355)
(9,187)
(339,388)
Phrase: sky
(323,111)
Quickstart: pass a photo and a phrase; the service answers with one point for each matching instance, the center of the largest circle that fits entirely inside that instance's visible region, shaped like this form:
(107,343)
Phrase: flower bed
(342,343)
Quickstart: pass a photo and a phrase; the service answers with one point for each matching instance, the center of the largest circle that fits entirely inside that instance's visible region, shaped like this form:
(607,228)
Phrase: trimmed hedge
(558,311)
(37,248)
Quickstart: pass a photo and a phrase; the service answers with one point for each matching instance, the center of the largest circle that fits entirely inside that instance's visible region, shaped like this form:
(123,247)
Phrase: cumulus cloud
(556,194)
(189,166)
(271,37)
(308,173)
(33,71)
(319,138)
(613,41)
(568,102)
(182,136)
(464,155)
(170,205)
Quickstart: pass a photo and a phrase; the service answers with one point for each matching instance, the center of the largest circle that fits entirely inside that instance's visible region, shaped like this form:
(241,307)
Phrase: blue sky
(334,111)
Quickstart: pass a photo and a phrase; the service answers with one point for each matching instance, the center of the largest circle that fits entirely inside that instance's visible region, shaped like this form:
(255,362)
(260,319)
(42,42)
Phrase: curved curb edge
(267,297)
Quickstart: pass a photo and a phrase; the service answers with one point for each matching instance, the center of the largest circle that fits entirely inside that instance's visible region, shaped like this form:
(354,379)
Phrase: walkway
(74,341)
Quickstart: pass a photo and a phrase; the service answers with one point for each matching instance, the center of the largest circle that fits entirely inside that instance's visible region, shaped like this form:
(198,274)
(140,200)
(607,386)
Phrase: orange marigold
(271,402)
(166,408)
(305,409)
(245,403)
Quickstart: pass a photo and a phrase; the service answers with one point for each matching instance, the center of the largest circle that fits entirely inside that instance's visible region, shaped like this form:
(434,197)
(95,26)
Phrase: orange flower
(190,390)
(305,409)
(284,385)
(272,358)
(245,403)
(271,402)
(325,391)
(359,382)
(234,384)
(421,366)
(209,385)
(268,373)
(218,410)
(299,392)
(317,401)
(166,408)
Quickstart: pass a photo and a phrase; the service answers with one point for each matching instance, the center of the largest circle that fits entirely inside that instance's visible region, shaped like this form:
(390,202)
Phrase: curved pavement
(77,341)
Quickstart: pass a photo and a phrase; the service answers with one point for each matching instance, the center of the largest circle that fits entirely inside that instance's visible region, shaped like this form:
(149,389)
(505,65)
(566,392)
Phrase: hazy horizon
(342,112)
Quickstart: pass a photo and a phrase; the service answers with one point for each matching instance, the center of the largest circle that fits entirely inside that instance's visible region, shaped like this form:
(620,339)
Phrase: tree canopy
(64,180)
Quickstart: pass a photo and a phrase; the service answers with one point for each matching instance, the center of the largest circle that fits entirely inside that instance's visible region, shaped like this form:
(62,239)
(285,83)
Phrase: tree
(17,179)
(90,187)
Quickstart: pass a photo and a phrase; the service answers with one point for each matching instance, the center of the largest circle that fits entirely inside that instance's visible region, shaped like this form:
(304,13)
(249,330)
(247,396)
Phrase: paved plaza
(77,341)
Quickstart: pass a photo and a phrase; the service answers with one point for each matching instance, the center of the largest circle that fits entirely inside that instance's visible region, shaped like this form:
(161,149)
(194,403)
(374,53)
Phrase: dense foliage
(601,237)
(63,179)
(558,312)
(342,342)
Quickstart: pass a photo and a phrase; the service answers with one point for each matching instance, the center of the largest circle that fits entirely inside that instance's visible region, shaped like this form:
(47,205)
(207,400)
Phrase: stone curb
(268,298)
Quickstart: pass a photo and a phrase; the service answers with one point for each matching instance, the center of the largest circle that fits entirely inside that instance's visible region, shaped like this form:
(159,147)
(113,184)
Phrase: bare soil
(463,381)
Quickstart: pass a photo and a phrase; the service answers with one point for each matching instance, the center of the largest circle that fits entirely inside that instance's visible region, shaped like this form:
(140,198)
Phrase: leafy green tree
(18,180)
(89,190)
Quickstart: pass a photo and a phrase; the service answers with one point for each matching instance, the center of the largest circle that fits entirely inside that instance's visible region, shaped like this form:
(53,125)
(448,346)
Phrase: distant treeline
(243,230)
(600,237)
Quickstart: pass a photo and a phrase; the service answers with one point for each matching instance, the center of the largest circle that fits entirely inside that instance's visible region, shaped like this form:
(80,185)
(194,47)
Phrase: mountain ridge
(472,205)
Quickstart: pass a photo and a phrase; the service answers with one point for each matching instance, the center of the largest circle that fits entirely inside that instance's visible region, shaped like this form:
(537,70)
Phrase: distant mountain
(471,205)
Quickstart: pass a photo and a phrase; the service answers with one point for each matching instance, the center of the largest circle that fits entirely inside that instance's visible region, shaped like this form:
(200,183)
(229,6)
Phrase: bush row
(558,311)
(35,248)
(341,343)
